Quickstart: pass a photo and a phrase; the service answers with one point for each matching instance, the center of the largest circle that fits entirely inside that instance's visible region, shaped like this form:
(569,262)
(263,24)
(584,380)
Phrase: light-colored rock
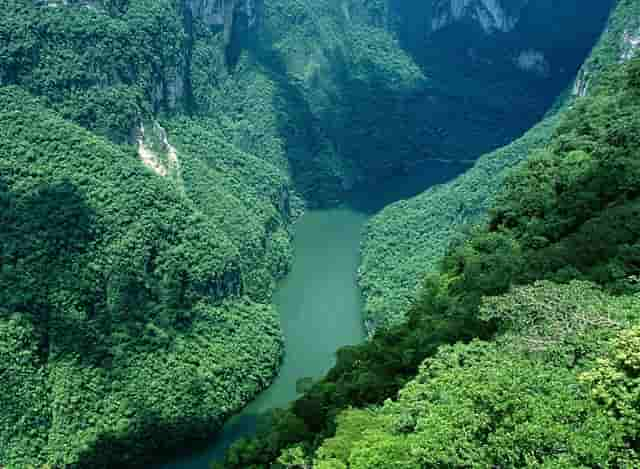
(581,85)
(630,45)
(489,14)
(169,165)
(533,61)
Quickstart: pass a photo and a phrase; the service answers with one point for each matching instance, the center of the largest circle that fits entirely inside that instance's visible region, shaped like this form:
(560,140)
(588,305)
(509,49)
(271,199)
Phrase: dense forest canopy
(418,230)
(155,154)
(521,350)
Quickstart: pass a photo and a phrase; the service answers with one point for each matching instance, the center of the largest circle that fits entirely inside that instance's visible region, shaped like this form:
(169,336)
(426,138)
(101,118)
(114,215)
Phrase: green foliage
(614,44)
(306,92)
(331,92)
(411,236)
(578,192)
(98,67)
(580,215)
(293,457)
(365,374)
(351,426)
(26,416)
(614,383)
(477,405)
(567,324)
(346,448)
(420,229)
(128,315)
(122,321)
(246,197)
(516,402)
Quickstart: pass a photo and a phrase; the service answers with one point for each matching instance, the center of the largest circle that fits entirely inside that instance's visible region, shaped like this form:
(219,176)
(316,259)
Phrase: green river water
(319,302)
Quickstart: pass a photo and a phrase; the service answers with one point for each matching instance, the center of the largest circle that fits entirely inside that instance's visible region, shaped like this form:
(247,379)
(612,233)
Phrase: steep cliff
(223,13)
(492,15)
(353,66)
(147,321)
(411,236)
(448,79)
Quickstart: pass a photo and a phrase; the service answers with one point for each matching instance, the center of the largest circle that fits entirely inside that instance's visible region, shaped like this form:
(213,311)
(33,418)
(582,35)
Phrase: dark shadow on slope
(240,34)
(304,134)
(381,133)
(146,446)
(373,127)
(146,442)
(402,185)
(481,75)
(44,235)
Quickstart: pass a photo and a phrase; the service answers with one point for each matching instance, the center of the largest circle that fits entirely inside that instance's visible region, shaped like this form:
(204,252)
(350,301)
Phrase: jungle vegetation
(521,349)
(419,230)
(134,308)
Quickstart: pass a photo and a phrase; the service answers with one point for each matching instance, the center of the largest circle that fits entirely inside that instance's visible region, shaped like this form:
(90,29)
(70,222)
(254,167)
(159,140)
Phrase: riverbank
(320,308)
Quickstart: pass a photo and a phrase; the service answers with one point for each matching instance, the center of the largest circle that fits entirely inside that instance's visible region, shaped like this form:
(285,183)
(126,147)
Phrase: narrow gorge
(210,209)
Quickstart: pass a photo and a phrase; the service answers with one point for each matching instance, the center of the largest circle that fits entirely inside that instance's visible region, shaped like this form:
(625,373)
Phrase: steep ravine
(316,330)
(408,238)
(319,303)
(166,283)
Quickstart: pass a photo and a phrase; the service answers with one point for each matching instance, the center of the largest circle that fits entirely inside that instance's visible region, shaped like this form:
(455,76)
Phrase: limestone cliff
(491,15)
(223,13)
(620,42)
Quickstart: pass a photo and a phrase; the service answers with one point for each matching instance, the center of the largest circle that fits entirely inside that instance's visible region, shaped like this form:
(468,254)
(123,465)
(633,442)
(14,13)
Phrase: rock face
(631,44)
(491,15)
(532,61)
(223,13)
(211,12)
(624,45)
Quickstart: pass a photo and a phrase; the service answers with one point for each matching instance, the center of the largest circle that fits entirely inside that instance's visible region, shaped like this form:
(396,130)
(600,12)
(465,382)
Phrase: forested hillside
(418,231)
(124,314)
(154,155)
(134,301)
(521,350)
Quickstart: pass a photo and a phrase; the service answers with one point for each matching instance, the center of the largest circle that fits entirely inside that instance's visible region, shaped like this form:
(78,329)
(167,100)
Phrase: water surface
(319,301)
(320,309)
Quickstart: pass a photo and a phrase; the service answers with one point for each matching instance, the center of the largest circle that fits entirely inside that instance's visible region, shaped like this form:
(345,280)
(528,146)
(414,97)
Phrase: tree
(614,384)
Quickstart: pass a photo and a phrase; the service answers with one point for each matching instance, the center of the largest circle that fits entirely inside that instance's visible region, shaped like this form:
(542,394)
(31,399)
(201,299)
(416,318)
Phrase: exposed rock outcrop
(626,42)
(156,153)
(630,44)
(223,13)
(533,61)
(491,15)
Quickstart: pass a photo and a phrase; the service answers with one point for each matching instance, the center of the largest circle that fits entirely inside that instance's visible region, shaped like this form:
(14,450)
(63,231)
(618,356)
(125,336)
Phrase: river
(319,301)
(319,304)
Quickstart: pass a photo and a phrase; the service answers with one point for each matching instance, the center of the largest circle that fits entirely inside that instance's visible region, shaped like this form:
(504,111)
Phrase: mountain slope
(555,273)
(411,236)
(115,290)
(550,285)
(135,302)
